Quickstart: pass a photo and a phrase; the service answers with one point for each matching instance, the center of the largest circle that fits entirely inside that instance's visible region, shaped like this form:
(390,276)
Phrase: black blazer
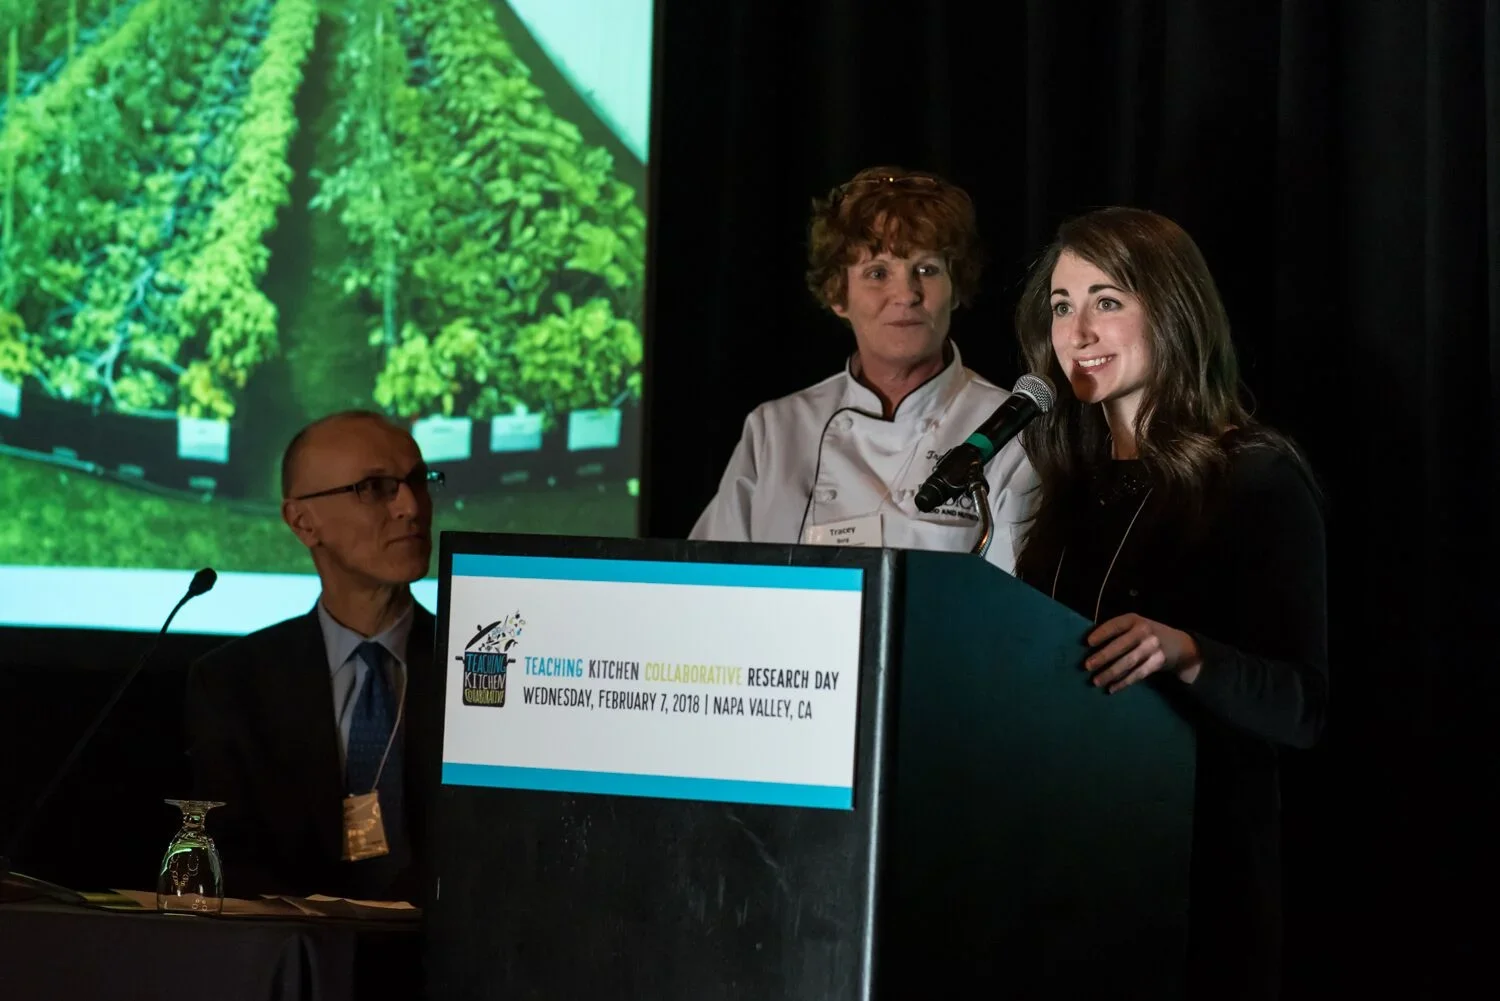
(262,739)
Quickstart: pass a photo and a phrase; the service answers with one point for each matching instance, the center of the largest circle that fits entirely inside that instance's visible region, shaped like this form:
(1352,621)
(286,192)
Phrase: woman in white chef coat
(892,253)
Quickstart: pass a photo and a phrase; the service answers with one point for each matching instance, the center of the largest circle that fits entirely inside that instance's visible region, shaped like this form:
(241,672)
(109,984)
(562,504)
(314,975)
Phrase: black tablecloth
(51,951)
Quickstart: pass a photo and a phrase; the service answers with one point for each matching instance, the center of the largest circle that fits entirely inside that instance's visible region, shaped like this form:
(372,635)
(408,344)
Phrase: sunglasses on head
(916,181)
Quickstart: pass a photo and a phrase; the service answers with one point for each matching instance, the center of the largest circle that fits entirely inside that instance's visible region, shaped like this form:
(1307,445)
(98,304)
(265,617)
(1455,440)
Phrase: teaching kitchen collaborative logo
(486,659)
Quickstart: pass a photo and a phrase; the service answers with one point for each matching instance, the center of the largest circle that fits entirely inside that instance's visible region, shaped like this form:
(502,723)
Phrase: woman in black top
(1192,537)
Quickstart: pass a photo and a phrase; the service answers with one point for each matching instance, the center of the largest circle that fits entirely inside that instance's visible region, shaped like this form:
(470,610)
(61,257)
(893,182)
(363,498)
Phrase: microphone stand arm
(979,493)
(961,471)
(18,836)
(978,490)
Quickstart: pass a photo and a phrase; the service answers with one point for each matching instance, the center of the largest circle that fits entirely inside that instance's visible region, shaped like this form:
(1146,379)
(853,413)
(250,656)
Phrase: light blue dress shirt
(348,672)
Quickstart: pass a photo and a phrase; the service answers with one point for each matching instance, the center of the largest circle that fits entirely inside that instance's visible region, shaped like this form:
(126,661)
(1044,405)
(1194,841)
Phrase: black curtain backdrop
(1339,164)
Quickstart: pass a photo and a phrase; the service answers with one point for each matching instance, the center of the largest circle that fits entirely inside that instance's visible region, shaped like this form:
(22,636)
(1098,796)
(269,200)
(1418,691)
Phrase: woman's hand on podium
(1131,648)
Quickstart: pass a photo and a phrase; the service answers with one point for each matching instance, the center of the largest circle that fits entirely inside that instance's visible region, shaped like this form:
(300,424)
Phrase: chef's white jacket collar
(930,398)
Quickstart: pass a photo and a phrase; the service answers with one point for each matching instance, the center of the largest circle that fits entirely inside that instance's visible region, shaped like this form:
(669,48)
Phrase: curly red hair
(889,209)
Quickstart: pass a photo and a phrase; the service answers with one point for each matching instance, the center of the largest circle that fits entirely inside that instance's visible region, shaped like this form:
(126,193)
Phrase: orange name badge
(364,830)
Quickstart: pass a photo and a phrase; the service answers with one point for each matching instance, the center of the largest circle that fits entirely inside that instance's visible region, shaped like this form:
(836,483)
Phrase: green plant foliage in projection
(221,282)
(51,129)
(145,175)
(504,259)
(67,187)
(566,356)
(49,32)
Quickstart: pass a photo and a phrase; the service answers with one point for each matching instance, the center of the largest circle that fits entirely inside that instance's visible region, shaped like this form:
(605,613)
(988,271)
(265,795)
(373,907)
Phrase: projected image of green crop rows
(473,211)
(140,182)
(262,211)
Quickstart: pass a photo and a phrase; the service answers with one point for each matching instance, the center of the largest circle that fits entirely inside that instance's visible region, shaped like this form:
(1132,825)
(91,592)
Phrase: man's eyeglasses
(383,489)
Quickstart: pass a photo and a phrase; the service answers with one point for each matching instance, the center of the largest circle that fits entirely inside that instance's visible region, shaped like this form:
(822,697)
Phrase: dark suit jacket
(262,739)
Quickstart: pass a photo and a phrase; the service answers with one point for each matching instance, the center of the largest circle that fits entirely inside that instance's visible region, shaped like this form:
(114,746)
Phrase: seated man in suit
(283,724)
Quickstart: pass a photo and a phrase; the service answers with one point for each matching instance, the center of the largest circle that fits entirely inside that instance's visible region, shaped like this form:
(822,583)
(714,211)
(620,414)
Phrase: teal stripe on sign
(654,786)
(659,572)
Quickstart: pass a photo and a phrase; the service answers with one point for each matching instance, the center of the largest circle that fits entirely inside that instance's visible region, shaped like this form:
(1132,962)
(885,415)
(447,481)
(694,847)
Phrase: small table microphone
(203,581)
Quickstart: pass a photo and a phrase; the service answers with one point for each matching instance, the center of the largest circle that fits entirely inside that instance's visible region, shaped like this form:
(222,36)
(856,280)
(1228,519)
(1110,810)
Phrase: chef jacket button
(1134,593)
(825,494)
(843,422)
(929,425)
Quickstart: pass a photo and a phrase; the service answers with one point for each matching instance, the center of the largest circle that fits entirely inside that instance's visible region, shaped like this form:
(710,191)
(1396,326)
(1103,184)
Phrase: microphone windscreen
(203,581)
(1038,388)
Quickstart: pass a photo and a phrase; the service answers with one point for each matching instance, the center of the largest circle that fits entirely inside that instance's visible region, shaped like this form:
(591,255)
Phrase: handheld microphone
(203,581)
(958,468)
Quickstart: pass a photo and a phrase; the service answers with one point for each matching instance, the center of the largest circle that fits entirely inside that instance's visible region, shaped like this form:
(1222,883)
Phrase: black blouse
(1247,579)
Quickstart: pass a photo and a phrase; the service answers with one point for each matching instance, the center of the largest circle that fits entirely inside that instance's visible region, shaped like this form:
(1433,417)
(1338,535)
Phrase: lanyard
(1098,602)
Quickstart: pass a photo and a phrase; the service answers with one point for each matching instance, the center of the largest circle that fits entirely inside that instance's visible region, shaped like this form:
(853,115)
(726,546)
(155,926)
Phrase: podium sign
(701,681)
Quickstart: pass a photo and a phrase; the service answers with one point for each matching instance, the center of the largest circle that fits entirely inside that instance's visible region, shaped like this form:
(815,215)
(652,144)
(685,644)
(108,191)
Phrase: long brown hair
(1192,394)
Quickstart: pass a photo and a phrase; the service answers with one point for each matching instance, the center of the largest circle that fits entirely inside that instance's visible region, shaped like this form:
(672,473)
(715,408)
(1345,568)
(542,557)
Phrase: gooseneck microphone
(203,581)
(959,467)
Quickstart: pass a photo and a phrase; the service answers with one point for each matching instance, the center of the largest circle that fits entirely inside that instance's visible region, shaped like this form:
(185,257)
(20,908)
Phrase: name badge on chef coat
(864,531)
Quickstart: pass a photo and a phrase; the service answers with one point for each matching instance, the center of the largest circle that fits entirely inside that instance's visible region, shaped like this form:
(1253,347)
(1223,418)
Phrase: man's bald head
(312,439)
(358,537)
